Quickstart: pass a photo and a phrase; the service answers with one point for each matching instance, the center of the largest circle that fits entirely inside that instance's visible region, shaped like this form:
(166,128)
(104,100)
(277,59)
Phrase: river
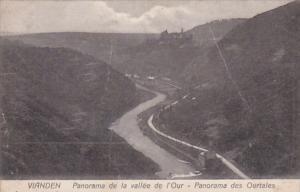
(127,128)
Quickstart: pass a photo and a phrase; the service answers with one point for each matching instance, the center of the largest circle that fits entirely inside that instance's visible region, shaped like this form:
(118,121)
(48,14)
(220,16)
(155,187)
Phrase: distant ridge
(158,58)
(96,44)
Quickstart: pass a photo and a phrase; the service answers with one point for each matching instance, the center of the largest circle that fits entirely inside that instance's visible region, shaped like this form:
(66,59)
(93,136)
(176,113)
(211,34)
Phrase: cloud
(97,16)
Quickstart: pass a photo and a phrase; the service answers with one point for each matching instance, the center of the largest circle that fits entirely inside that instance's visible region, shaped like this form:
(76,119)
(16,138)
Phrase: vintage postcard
(149,95)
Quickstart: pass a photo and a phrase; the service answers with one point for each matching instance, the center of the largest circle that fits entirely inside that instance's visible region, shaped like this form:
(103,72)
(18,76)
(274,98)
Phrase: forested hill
(247,101)
(263,58)
(170,56)
(53,100)
(99,45)
(143,54)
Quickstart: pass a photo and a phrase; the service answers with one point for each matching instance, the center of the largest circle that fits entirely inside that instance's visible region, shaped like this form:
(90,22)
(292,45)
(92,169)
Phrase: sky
(122,16)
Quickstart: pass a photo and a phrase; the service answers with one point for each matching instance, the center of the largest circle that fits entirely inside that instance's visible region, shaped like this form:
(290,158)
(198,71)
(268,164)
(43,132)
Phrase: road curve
(127,128)
(224,161)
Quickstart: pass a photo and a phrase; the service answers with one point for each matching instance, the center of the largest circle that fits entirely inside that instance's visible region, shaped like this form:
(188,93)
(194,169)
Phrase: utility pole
(296,128)
(106,87)
(228,72)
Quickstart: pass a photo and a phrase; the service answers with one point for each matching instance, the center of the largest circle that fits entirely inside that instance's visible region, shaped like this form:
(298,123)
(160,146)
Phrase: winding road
(127,128)
(226,162)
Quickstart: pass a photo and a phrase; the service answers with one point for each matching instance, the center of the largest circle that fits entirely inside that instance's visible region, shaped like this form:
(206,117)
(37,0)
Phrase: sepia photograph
(149,89)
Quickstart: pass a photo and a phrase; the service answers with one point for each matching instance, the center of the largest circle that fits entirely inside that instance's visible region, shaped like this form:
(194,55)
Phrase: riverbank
(127,128)
(187,153)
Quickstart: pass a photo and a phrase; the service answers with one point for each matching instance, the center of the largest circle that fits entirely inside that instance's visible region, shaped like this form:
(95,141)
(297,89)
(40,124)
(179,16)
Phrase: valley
(217,101)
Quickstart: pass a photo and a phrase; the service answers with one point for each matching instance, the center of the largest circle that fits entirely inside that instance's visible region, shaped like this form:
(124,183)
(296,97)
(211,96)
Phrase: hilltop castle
(175,38)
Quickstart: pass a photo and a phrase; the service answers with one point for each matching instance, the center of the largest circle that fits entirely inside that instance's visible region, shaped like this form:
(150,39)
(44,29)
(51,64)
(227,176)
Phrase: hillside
(56,106)
(98,45)
(143,54)
(245,104)
(202,36)
(171,56)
